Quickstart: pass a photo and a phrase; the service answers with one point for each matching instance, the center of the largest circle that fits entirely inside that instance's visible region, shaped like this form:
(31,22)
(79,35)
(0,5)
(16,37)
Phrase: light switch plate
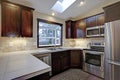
(11,44)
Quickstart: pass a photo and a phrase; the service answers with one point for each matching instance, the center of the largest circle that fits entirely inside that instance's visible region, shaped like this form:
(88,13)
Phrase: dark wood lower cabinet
(76,59)
(44,76)
(60,61)
(64,60)
(56,64)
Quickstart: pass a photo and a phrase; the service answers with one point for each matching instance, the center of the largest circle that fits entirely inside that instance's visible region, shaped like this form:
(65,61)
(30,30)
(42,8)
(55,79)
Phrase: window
(49,33)
(61,5)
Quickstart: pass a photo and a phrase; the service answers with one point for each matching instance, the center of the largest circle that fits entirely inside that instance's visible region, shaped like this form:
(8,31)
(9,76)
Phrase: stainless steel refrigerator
(112,50)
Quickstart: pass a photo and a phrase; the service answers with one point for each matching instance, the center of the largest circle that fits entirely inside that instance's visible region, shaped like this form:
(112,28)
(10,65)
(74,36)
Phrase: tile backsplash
(8,44)
(81,42)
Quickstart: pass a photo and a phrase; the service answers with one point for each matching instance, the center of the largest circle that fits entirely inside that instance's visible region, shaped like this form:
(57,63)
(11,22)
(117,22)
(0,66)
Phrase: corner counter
(21,64)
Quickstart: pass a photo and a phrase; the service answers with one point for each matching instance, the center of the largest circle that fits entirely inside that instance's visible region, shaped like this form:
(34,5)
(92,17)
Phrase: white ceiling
(44,6)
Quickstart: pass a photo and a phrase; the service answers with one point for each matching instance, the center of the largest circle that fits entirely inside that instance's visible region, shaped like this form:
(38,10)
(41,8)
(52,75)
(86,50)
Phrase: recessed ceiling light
(82,2)
(53,14)
(61,5)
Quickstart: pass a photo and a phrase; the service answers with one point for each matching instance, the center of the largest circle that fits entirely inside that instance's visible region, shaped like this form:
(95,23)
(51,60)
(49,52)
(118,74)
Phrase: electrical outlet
(11,44)
(25,44)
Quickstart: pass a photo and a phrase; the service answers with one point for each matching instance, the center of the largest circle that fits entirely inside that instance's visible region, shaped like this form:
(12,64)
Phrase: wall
(97,9)
(16,44)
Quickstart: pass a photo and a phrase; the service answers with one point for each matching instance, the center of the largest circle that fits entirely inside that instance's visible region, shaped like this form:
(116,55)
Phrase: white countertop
(22,63)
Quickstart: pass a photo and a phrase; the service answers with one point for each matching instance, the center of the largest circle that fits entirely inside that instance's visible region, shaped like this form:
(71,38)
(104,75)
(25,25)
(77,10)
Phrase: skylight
(61,5)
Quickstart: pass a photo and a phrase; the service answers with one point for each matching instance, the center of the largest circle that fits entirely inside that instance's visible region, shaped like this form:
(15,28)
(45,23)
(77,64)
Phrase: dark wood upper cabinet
(16,20)
(27,22)
(10,20)
(95,20)
(77,29)
(69,29)
(100,19)
(112,12)
(80,28)
(91,21)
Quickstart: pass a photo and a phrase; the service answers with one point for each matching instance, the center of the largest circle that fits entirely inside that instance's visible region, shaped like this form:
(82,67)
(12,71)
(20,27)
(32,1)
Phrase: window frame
(50,22)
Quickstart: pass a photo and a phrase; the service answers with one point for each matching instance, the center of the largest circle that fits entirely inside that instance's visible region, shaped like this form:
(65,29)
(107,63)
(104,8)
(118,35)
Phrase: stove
(94,59)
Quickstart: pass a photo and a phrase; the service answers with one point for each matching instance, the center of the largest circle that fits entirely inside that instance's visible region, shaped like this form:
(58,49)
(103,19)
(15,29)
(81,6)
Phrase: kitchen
(14,49)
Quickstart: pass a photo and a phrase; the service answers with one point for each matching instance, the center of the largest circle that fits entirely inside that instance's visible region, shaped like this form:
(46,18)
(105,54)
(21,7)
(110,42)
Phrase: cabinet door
(60,61)
(100,19)
(65,60)
(91,21)
(56,64)
(112,12)
(68,29)
(10,19)
(76,59)
(80,28)
(27,23)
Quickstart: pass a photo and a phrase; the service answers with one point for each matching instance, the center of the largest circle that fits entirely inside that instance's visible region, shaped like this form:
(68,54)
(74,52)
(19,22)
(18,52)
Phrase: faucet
(54,46)
(88,45)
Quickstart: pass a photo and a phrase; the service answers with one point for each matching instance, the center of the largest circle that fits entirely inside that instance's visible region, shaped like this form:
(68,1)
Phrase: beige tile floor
(75,74)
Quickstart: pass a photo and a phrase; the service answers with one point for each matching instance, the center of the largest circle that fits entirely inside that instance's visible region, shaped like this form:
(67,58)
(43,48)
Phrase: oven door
(93,58)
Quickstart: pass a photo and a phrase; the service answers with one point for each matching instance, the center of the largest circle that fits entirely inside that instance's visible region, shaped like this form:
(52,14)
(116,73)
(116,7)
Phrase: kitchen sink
(55,48)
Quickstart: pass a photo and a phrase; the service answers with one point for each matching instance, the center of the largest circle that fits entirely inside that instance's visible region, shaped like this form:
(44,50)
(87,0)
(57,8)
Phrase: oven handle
(93,52)
(114,63)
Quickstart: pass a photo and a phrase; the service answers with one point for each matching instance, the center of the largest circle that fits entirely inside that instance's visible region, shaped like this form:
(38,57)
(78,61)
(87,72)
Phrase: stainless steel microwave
(95,31)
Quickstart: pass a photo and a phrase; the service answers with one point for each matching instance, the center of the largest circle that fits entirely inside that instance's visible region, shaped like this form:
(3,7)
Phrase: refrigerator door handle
(114,63)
